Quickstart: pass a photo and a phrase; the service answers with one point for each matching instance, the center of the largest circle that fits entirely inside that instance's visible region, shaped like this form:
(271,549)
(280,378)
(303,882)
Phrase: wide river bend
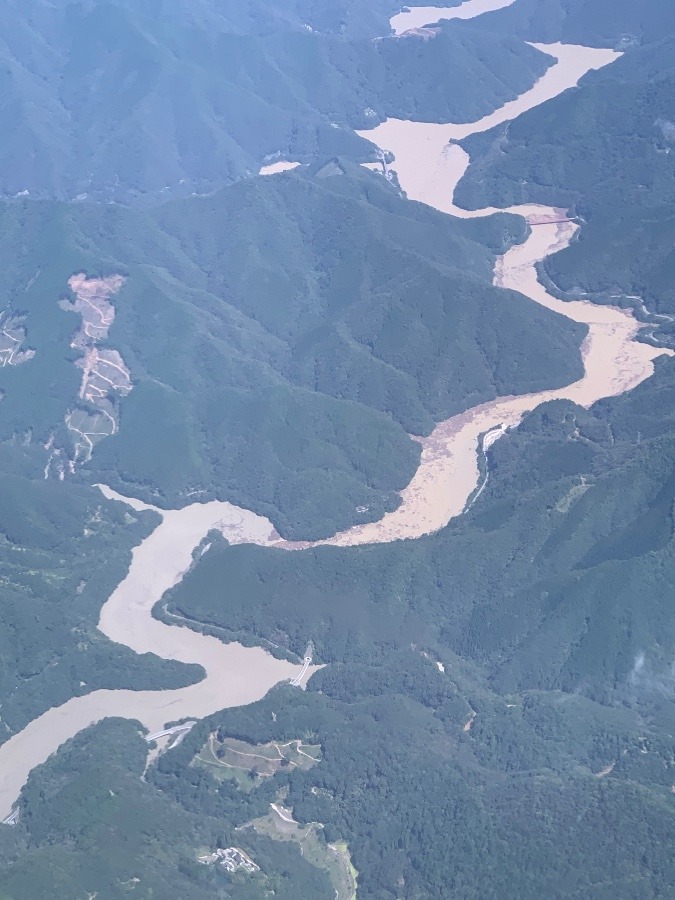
(429,166)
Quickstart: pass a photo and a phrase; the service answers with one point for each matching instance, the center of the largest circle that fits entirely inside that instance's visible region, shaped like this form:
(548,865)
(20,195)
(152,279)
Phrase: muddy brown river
(429,167)
(419,16)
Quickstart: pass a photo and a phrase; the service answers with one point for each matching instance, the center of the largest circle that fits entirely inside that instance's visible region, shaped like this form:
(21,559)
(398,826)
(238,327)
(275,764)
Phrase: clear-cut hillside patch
(104,373)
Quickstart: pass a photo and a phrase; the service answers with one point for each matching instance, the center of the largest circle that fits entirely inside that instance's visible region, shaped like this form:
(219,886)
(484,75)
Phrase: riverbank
(428,166)
(234,675)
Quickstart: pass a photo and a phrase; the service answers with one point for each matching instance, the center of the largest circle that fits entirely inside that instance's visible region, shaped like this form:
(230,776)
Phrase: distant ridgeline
(141,102)
(607,150)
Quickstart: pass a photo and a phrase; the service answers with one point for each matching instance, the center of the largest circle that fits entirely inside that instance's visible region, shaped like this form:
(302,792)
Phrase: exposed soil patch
(105,376)
(12,337)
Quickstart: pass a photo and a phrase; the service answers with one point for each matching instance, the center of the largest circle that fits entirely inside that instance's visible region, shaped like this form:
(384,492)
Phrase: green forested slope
(547,794)
(94,825)
(497,716)
(557,578)
(63,549)
(607,151)
(116,101)
(280,335)
(549,606)
(597,23)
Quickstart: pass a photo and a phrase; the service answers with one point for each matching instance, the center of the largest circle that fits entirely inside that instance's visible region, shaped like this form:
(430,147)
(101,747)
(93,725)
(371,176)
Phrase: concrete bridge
(183,728)
(306,663)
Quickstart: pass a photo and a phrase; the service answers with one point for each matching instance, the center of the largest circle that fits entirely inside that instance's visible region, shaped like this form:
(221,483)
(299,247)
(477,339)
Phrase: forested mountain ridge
(139,103)
(576,512)
(606,151)
(262,17)
(273,297)
(585,784)
(496,713)
(529,648)
(599,23)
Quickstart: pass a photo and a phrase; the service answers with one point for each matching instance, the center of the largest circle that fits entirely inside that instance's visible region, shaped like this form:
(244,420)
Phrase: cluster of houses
(231,859)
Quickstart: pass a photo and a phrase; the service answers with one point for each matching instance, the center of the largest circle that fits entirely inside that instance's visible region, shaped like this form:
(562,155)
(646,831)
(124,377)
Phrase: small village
(231,859)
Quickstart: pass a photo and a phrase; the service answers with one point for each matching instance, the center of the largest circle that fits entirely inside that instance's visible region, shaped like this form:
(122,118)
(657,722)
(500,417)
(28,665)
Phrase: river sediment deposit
(429,166)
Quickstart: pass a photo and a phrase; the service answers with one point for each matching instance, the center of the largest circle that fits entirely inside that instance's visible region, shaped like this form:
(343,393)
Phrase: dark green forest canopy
(496,718)
(578,791)
(557,578)
(557,584)
(262,327)
(597,23)
(91,823)
(140,102)
(607,151)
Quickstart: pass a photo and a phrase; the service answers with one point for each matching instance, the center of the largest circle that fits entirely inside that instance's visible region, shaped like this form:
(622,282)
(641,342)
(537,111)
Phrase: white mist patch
(667,129)
(649,677)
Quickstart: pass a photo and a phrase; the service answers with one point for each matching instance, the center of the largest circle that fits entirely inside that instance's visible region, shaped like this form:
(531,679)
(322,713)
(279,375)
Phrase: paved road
(175,729)
(306,663)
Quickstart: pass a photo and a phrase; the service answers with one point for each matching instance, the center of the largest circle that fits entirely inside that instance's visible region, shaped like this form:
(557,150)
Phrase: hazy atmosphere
(337,450)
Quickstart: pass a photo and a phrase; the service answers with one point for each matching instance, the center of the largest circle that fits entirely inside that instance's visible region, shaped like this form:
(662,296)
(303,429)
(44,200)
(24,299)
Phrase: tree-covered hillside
(96,825)
(279,335)
(140,102)
(607,151)
(597,23)
(513,671)
(494,718)
(557,578)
